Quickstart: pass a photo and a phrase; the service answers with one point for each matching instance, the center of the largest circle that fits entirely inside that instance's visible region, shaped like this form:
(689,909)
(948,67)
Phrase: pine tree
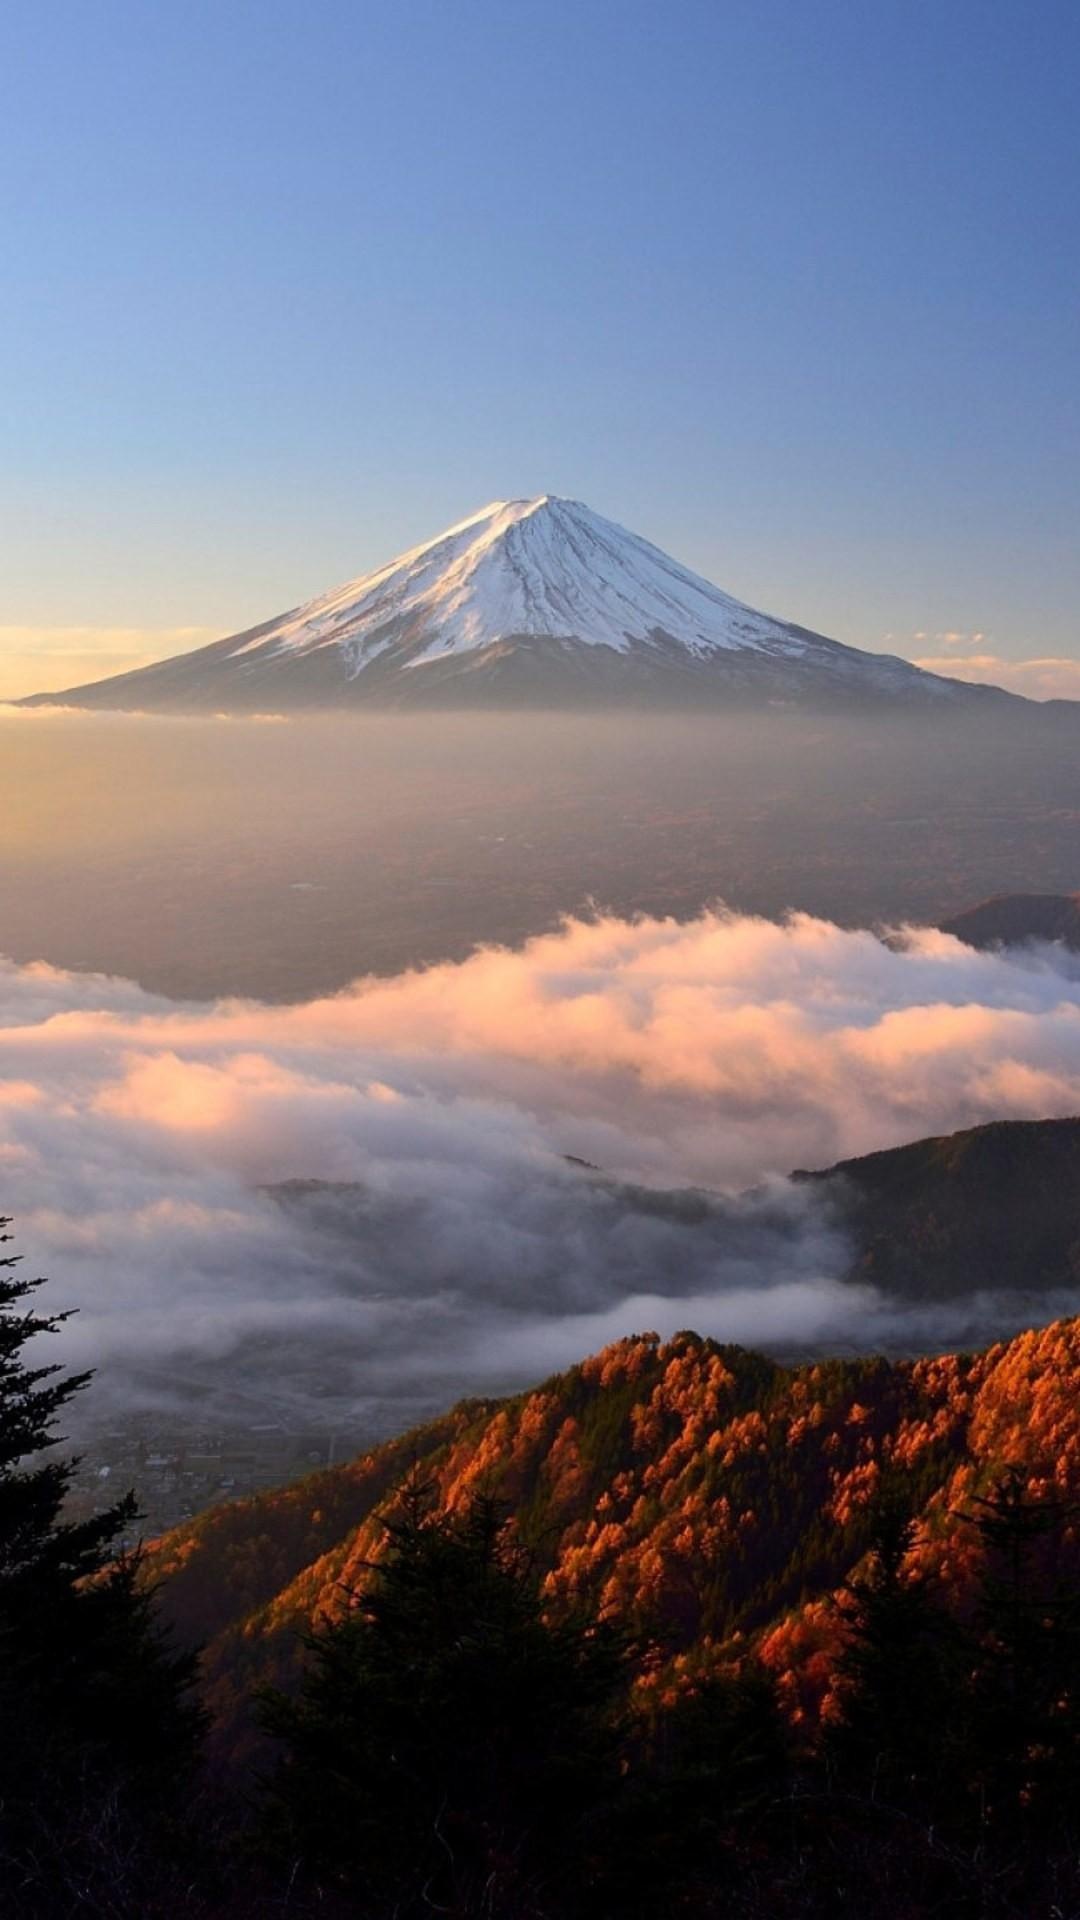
(1025,1714)
(97,1722)
(451,1745)
(705,1774)
(899,1669)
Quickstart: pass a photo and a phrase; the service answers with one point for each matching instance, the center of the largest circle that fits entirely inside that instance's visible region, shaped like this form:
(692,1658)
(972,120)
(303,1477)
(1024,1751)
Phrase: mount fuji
(528,603)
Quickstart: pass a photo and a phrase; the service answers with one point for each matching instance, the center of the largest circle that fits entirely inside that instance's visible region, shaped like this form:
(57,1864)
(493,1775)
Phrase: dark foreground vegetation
(455,1743)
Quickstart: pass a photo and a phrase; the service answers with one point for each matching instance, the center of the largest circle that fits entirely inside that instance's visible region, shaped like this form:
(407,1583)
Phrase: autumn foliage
(711,1502)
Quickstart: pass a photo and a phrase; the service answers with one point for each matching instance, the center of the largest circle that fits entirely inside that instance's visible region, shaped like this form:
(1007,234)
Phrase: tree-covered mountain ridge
(991,1209)
(710,1500)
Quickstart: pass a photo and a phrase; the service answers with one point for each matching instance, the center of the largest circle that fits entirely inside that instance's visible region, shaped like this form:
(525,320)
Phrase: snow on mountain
(543,566)
(526,603)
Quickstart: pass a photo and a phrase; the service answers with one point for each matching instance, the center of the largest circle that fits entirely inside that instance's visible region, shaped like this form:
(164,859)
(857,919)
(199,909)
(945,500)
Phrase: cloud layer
(44,659)
(459,1247)
(1053,677)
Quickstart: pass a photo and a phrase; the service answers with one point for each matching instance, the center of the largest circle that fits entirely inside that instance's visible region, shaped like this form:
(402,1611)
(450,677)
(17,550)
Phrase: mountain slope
(1019,919)
(704,1495)
(526,603)
(990,1209)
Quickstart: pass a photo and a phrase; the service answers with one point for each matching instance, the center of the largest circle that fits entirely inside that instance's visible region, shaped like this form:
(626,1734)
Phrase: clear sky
(789,286)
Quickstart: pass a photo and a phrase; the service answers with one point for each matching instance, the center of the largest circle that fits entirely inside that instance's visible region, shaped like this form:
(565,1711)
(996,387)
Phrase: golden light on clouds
(970,655)
(1052,678)
(47,659)
(143,1137)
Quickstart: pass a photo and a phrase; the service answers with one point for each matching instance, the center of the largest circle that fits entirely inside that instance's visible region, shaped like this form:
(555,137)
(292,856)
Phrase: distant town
(176,1470)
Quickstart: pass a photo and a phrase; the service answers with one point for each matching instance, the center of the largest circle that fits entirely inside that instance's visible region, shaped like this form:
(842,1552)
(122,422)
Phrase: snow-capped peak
(527,603)
(541,566)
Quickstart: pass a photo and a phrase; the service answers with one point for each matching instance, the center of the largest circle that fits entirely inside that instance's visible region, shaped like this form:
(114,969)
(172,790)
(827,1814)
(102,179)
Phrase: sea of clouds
(379,1193)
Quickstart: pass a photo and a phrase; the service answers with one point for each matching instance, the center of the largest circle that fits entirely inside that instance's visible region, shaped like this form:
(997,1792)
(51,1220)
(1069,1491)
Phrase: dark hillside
(1016,919)
(991,1208)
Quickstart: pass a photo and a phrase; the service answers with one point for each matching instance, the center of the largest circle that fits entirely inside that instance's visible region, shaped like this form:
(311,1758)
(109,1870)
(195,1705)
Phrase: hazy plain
(282,859)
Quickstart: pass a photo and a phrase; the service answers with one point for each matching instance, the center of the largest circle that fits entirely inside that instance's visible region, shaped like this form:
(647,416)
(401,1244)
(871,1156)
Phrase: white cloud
(137,1138)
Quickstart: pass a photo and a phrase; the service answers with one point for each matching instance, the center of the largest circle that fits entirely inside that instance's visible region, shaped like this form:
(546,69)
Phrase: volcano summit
(528,603)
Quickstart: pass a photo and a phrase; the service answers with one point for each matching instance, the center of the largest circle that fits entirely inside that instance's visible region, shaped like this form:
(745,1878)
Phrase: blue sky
(790,286)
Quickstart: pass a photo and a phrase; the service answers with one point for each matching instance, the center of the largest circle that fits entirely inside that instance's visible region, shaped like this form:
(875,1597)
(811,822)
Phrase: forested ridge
(704,1496)
(988,1209)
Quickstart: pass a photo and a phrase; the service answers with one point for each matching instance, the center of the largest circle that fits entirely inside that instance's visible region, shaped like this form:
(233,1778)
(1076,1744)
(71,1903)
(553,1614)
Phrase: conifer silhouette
(99,1729)
(450,1745)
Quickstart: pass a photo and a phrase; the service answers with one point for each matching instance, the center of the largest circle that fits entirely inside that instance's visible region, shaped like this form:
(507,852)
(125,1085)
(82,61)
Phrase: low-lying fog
(158,1155)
